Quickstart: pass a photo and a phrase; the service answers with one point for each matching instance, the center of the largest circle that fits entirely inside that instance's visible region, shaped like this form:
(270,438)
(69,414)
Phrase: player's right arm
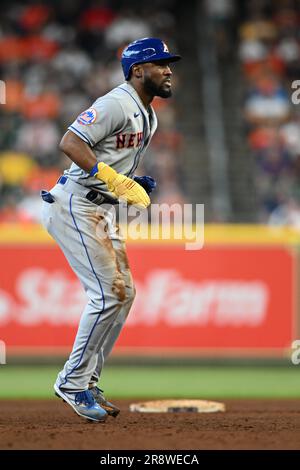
(120,185)
(76,144)
(78,151)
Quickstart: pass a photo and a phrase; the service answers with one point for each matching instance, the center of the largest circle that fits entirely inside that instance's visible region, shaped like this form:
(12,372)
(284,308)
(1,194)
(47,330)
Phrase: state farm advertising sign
(214,299)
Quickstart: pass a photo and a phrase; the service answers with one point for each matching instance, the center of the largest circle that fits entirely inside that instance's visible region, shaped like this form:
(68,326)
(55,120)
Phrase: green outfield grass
(163,381)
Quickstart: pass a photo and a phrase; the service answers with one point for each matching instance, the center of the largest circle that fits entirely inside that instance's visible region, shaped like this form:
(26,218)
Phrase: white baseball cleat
(83,403)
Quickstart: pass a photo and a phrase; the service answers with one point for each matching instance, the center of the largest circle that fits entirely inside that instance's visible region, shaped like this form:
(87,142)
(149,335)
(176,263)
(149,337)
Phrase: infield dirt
(251,424)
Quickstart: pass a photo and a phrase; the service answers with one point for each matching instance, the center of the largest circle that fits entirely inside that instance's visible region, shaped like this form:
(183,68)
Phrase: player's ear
(137,71)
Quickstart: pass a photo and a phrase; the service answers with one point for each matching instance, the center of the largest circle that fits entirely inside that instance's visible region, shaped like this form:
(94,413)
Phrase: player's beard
(151,88)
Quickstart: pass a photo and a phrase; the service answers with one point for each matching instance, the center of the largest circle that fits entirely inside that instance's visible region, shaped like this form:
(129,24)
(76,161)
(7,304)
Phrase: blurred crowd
(56,58)
(269,51)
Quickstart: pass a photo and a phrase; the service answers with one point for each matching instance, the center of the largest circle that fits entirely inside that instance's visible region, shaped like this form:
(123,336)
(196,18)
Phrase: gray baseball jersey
(118,128)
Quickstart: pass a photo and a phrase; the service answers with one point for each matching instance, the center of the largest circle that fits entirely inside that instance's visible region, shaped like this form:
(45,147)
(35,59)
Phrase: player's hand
(128,190)
(147,182)
(121,186)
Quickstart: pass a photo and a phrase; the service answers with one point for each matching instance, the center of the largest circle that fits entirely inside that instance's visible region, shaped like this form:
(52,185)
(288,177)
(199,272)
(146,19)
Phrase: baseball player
(106,143)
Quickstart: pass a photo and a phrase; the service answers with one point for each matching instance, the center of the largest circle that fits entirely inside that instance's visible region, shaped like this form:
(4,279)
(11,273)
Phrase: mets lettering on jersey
(87,117)
(134,139)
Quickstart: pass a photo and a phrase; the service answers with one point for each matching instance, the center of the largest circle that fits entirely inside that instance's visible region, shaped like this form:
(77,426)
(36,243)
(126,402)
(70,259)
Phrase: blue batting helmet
(145,50)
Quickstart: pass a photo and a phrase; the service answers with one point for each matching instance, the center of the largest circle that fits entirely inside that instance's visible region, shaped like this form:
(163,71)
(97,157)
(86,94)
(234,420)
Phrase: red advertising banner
(218,299)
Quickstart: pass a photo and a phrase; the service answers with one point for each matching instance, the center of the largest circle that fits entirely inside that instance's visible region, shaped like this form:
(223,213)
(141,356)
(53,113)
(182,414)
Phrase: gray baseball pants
(89,237)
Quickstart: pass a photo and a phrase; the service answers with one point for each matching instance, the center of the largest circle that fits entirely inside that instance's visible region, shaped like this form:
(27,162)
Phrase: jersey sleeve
(105,117)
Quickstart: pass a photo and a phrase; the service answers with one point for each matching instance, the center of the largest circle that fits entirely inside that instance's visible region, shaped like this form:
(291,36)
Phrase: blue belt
(93,196)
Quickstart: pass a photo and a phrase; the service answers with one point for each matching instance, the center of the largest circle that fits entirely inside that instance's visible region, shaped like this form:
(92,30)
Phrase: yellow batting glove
(121,186)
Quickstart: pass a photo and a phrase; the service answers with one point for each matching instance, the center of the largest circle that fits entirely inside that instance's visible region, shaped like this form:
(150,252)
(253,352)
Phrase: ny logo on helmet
(165,47)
